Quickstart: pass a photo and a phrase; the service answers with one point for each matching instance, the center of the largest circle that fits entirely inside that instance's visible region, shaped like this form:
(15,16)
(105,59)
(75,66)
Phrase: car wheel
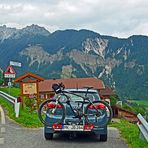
(48,136)
(103,137)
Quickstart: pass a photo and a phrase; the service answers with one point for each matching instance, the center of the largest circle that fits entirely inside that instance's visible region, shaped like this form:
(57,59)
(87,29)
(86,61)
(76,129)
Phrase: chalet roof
(46,85)
(107,91)
(29,75)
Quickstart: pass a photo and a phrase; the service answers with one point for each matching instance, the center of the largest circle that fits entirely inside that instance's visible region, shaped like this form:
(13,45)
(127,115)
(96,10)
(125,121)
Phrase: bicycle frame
(83,102)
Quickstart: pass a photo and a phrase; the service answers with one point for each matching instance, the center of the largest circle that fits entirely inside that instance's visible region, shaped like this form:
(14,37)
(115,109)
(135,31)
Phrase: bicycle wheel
(98,113)
(51,112)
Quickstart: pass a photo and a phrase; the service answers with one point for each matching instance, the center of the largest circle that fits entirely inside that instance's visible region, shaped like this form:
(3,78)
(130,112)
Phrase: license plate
(72,128)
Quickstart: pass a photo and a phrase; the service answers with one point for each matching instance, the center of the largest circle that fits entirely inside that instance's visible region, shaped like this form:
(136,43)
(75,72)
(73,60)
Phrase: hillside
(121,63)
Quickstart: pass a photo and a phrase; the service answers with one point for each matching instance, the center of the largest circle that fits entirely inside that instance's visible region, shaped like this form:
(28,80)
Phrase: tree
(114,100)
(1,78)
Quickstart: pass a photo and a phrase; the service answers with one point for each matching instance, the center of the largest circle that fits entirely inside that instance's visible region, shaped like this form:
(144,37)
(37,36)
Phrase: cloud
(110,17)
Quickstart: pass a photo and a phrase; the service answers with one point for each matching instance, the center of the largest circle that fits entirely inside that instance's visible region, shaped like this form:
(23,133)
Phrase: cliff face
(121,63)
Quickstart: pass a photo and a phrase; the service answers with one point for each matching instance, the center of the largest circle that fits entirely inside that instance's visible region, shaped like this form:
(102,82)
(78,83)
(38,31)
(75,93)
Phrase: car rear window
(93,96)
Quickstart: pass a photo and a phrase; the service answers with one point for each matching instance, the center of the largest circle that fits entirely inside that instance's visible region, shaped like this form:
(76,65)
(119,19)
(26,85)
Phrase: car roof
(80,90)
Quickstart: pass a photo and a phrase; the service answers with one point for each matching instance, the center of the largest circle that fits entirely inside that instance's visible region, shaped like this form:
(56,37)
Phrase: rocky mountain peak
(96,45)
(6,32)
(36,30)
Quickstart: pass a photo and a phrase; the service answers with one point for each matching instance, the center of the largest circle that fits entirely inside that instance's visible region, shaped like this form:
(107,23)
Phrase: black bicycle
(85,111)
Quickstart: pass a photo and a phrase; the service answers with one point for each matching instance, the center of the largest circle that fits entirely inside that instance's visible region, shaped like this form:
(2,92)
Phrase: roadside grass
(130,133)
(12,91)
(141,102)
(135,108)
(26,118)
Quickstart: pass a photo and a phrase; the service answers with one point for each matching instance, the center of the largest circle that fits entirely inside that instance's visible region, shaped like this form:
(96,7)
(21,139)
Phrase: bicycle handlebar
(58,88)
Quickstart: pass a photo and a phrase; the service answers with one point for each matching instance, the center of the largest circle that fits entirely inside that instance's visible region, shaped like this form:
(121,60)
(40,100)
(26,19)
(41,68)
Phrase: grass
(141,102)
(12,91)
(135,108)
(26,118)
(130,133)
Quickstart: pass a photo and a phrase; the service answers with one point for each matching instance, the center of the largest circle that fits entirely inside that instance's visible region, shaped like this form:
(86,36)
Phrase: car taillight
(50,105)
(88,126)
(57,126)
(97,106)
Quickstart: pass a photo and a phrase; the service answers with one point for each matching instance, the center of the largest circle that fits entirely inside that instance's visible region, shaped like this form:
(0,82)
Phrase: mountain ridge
(80,53)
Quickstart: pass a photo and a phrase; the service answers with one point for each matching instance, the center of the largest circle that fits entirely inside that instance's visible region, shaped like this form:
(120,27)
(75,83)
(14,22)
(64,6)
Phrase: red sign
(9,73)
(10,70)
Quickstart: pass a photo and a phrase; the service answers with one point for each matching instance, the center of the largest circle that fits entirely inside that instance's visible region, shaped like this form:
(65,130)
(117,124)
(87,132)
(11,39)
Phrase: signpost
(18,64)
(29,85)
(10,74)
(29,88)
(9,84)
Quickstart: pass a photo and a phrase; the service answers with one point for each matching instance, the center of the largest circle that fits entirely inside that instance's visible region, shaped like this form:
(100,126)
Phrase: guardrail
(12,100)
(143,126)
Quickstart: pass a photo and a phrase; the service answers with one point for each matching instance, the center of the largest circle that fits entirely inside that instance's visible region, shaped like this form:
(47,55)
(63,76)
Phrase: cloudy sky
(120,18)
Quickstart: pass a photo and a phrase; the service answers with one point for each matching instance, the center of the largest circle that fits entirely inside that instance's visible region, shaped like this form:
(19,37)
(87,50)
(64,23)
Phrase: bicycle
(87,112)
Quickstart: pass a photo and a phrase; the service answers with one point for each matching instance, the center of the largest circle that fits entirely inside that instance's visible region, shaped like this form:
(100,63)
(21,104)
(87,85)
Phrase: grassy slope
(12,91)
(130,133)
(141,102)
(26,118)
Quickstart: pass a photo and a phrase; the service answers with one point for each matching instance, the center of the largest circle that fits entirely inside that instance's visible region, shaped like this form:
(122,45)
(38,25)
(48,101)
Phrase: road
(17,136)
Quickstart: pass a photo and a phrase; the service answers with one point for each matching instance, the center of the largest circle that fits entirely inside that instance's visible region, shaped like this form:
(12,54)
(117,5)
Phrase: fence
(12,100)
(143,126)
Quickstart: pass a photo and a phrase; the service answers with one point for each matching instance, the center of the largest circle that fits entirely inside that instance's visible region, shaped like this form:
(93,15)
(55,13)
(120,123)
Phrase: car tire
(48,136)
(103,137)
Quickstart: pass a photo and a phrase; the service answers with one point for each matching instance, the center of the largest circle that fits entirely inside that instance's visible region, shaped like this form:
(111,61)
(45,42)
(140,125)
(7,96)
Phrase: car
(74,125)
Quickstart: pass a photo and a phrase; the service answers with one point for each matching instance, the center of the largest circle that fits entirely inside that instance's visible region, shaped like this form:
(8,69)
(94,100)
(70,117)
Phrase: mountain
(6,33)
(121,63)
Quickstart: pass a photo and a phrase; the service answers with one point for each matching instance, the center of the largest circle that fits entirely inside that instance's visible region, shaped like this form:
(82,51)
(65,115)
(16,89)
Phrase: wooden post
(22,96)
(22,102)
(37,83)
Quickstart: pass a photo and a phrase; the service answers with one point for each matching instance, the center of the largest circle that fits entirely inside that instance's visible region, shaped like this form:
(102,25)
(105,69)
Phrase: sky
(120,18)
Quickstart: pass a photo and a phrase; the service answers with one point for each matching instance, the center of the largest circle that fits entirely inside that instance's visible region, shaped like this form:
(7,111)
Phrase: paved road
(2,124)
(18,137)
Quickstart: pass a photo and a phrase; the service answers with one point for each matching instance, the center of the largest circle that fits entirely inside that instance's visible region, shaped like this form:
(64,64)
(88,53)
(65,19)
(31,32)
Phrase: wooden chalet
(45,87)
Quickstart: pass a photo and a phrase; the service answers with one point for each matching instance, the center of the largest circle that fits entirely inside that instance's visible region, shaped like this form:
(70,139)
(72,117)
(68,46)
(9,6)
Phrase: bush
(114,100)
(1,80)
(136,109)
(31,103)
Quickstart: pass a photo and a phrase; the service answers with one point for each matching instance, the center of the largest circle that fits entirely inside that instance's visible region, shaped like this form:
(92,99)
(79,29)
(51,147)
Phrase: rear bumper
(69,120)
(97,131)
